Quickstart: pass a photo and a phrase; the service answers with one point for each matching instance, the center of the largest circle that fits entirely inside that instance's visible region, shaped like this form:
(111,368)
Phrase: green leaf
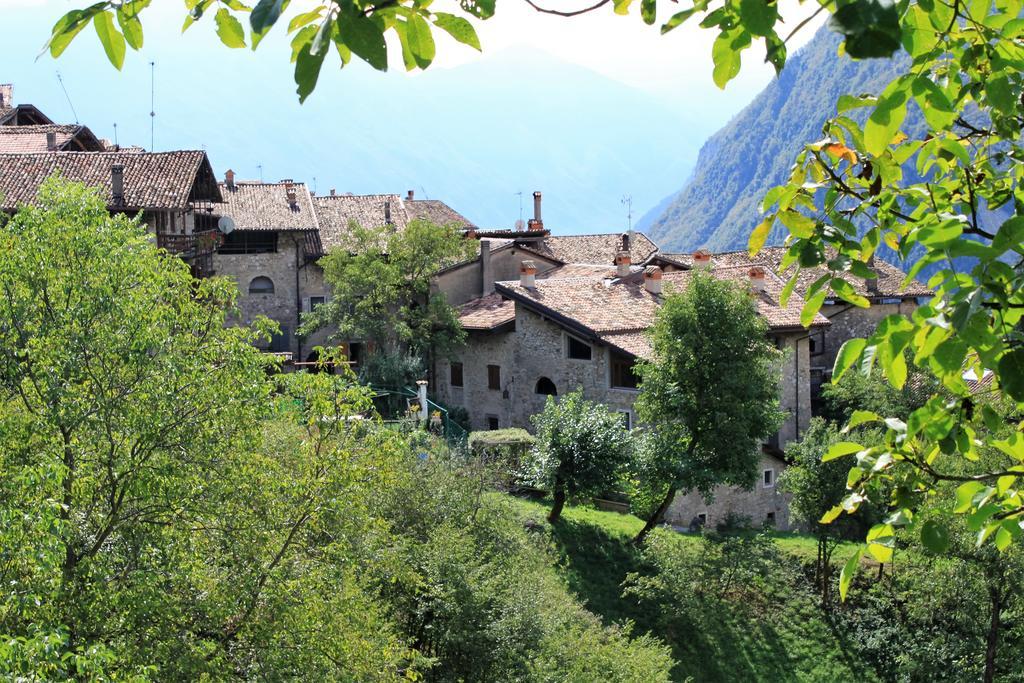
(935,105)
(847,293)
(420,41)
(799,225)
(229,29)
(881,541)
(847,102)
(840,449)
(934,536)
(622,7)
(65,30)
(886,119)
(458,28)
(1000,93)
(849,353)
(760,235)
(871,27)
(113,41)
(304,19)
(481,9)
(648,11)
(131,27)
(848,572)
(365,37)
(811,308)
(832,514)
(1010,235)
(1011,373)
(965,494)
(263,17)
(860,417)
(787,290)
(676,19)
(725,52)
(758,16)
(307,69)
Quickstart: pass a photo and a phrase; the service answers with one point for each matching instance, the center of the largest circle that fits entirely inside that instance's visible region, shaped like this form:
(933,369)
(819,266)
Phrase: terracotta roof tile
(436,212)
(888,284)
(163,180)
(28,139)
(596,249)
(265,206)
(336,213)
(620,310)
(487,312)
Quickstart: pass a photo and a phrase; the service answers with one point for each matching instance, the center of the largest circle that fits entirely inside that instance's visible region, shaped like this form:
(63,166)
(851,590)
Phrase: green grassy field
(794,642)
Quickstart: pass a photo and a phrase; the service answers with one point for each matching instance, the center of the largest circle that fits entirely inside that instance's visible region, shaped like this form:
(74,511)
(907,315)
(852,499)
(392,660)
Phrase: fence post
(421,387)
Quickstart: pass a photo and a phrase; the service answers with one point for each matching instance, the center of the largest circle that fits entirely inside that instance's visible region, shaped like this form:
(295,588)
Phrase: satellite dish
(225,224)
(520,224)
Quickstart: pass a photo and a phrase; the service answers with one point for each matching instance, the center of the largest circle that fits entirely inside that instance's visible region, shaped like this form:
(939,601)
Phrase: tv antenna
(260,166)
(314,184)
(520,194)
(152,106)
(116,146)
(67,97)
(627,201)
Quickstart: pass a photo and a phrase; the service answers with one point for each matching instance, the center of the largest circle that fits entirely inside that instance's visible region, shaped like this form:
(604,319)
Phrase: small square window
(494,377)
(578,350)
(703,518)
(768,477)
(456,374)
(315,301)
(769,519)
(492,422)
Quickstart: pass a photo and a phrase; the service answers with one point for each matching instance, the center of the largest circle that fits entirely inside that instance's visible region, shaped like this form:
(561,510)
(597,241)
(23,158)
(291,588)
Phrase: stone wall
(465,282)
(761,504)
(794,386)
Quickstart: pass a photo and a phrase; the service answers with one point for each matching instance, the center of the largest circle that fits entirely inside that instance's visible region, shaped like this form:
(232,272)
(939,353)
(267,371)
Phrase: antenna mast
(152,106)
(627,201)
(116,146)
(520,194)
(260,166)
(67,97)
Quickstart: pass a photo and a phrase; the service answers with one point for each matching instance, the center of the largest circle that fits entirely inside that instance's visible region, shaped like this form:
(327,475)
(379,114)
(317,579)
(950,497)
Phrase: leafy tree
(815,486)
(581,448)
(859,391)
(710,395)
(381,293)
(150,524)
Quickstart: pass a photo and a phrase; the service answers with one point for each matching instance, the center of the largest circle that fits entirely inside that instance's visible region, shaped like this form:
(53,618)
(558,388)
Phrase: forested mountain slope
(717,208)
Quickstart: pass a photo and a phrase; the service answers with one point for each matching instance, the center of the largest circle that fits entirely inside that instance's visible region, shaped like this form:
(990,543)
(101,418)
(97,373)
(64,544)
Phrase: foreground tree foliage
(710,394)
(381,294)
(171,511)
(581,449)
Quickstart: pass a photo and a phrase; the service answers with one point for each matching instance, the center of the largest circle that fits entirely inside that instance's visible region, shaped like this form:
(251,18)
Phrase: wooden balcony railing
(190,246)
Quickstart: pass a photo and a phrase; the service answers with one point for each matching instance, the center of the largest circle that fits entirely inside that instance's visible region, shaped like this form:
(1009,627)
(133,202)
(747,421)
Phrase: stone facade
(295,281)
(765,503)
(476,278)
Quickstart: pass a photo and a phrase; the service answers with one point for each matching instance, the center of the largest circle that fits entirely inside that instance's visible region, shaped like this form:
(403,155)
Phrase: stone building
(12,114)
(48,138)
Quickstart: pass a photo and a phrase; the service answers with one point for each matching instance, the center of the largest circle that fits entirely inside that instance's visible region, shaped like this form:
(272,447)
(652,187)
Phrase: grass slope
(795,642)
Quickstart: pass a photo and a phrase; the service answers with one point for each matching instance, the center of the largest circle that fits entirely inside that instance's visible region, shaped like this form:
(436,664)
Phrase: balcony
(190,246)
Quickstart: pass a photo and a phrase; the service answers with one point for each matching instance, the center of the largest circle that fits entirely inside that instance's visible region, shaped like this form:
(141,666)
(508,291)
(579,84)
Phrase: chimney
(387,212)
(229,179)
(702,257)
(536,223)
(6,95)
(756,274)
(622,263)
(410,196)
(289,191)
(332,192)
(51,142)
(872,283)
(528,275)
(626,241)
(486,271)
(117,183)
(652,279)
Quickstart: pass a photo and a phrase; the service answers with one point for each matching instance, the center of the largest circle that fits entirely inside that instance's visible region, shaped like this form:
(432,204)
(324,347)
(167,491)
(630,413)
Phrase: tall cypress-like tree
(710,394)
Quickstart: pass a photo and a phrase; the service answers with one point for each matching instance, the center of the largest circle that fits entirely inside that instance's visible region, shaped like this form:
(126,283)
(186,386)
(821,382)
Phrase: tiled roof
(336,213)
(487,312)
(164,180)
(578,270)
(436,212)
(888,284)
(596,249)
(27,139)
(21,115)
(265,206)
(618,311)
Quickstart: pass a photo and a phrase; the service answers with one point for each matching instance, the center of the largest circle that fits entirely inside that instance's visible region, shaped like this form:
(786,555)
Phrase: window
(456,374)
(622,375)
(261,285)
(494,377)
(703,517)
(768,477)
(546,387)
(627,418)
(817,344)
(492,422)
(249,242)
(769,519)
(281,342)
(315,301)
(577,350)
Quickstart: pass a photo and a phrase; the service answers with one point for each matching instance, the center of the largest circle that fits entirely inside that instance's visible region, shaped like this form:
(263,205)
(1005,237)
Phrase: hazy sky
(368,132)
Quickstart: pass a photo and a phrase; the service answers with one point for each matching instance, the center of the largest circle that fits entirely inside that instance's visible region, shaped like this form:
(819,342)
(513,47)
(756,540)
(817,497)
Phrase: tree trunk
(656,518)
(559,500)
(992,641)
